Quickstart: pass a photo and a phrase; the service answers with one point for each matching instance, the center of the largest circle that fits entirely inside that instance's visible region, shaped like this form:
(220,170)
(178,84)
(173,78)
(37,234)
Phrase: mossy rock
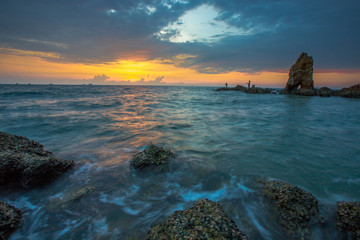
(152,156)
(27,162)
(205,220)
(10,220)
(349,218)
(294,206)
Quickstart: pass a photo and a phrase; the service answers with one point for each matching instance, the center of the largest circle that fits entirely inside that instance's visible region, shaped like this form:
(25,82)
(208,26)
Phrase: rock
(301,74)
(205,220)
(27,162)
(259,90)
(304,92)
(70,198)
(294,206)
(325,92)
(237,88)
(349,218)
(240,88)
(151,156)
(10,220)
(350,92)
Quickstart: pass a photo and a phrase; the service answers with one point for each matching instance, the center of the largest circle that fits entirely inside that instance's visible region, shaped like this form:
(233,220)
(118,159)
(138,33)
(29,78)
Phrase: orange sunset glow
(35,69)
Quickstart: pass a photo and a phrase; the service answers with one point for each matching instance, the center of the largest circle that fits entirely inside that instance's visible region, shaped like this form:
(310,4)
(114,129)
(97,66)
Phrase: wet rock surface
(205,220)
(349,218)
(301,74)
(294,206)
(27,162)
(152,156)
(10,220)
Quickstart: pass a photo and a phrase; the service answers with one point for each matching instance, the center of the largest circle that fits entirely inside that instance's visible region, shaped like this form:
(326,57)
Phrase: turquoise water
(223,141)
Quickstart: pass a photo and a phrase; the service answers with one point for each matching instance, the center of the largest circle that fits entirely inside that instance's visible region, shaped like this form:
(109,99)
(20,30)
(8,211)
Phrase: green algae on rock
(205,220)
(27,162)
(152,156)
(349,218)
(10,220)
(294,206)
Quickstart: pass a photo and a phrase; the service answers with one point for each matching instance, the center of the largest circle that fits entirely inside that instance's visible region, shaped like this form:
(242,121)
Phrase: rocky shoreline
(295,208)
(301,82)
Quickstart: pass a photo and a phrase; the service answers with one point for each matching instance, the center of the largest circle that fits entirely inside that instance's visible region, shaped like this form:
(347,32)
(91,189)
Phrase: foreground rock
(152,156)
(10,220)
(301,74)
(294,206)
(27,162)
(349,218)
(205,220)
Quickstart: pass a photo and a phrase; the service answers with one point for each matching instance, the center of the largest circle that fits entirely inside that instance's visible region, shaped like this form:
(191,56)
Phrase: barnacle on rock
(152,156)
(205,220)
(294,206)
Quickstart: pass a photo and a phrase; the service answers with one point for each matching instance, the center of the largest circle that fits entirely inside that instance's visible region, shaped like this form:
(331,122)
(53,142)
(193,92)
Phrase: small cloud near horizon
(147,80)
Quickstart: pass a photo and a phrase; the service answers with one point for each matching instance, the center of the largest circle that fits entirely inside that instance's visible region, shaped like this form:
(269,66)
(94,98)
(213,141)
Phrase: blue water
(223,141)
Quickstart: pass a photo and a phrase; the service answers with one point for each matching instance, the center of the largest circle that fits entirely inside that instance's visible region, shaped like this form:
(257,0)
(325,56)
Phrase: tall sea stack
(301,74)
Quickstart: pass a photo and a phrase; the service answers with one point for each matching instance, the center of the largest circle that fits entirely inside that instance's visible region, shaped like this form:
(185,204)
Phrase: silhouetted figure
(249,84)
(226,85)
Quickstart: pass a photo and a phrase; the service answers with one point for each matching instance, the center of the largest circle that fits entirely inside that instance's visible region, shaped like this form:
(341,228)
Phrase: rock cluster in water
(10,219)
(294,206)
(301,82)
(152,156)
(301,74)
(205,220)
(349,218)
(27,162)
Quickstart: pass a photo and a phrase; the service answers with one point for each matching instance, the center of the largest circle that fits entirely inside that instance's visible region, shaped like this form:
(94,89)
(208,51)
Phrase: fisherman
(249,85)
(226,85)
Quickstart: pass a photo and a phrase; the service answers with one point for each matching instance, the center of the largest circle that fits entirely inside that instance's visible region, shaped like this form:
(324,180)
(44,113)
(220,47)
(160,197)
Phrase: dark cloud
(102,31)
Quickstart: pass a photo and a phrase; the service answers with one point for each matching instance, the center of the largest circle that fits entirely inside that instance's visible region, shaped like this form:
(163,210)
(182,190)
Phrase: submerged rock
(205,220)
(294,206)
(27,162)
(301,74)
(152,156)
(10,220)
(350,92)
(71,197)
(349,218)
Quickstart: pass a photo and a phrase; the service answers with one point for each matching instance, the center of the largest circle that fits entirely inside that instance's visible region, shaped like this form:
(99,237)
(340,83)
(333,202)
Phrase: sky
(177,42)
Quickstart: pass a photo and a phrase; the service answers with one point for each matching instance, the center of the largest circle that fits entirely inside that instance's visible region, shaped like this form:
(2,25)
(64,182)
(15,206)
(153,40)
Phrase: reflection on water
(223,141)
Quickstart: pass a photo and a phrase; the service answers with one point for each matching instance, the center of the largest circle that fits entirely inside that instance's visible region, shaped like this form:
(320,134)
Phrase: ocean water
(224,142)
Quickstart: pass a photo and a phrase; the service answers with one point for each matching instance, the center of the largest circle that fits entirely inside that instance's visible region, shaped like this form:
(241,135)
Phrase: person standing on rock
(249,84)
(226,85)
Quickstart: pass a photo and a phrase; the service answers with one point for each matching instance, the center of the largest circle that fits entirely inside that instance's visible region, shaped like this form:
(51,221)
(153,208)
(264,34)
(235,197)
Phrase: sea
(224,143)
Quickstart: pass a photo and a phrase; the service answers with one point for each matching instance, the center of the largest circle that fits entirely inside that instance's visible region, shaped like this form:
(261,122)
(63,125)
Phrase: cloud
(261,35)
(99,78)
(147,80)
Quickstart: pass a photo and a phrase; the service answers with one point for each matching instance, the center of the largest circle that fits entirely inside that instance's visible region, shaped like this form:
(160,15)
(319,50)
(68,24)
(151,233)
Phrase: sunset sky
(177,42)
